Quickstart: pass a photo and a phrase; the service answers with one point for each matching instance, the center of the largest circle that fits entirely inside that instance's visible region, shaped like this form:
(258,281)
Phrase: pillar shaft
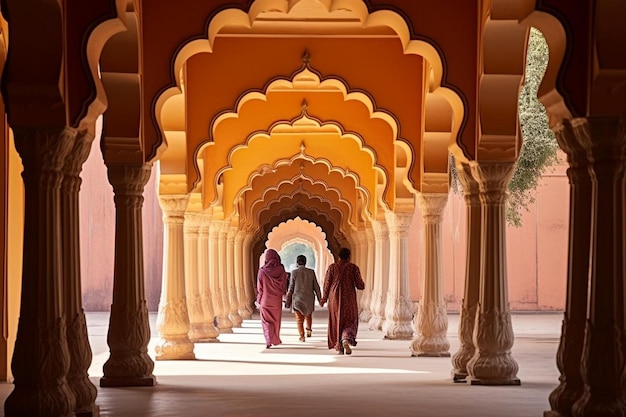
(472,274)
(492,363)
(223,321)
(233,299)
(248,275)
(129,328)
(602,364)
(173,318)
(432,321)
(571,343)
(78,342)
(398,307)
(41,359)
(381,271)
(198,330)
(366,314)
(242,300)
(204,283)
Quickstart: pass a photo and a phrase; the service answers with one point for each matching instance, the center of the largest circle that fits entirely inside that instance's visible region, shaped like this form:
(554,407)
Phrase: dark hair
(344,254)
(301,260)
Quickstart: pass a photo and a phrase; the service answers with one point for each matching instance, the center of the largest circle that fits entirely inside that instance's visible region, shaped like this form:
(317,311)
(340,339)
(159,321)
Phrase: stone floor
(239,377)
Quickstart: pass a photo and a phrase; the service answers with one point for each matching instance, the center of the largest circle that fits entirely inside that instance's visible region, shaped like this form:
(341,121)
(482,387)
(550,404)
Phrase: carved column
(198,331)
(242,300)
(248,276)
(365,315)
(204,283)
(603,362)
(129,328)
(492,363)
(398,307)
(78,342)
(217,260)
(173,318)
(570,349)
(233,300)
(381,271)
(432,322)
(218,307)
(41,358)
(472,274)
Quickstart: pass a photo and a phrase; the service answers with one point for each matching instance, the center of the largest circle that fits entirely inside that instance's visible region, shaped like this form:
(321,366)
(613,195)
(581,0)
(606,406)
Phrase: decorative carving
(432,325)
(173,326)
(493,179)
(492,363)
(466,350)
(398,316)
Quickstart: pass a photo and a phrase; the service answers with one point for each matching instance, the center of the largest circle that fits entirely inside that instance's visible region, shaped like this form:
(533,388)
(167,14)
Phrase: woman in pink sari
(271,286)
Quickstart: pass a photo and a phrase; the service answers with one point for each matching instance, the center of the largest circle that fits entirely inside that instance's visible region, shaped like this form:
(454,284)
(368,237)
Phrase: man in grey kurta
(303,288)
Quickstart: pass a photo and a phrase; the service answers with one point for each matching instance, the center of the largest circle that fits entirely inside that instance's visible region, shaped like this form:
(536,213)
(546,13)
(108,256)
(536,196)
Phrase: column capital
(174,205)
(193,221)
(432,205)
(470,186)
(399,223)
(380,229)
(493,179)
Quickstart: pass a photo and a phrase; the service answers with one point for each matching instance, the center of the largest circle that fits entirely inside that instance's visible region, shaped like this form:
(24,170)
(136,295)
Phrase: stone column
(41,358)
(381,271)
(198,331)
(242,300)
(248,274)
(570,349)
(204,283)
(472,274)
(217,259)
(129,327)
(602,364)
(233,300)
(432,322)
(173,318)
(492,363)
(365,315)
(398,307)
(77,340)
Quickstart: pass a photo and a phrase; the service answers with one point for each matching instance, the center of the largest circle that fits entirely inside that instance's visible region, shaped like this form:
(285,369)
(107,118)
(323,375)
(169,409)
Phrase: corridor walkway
(239,377)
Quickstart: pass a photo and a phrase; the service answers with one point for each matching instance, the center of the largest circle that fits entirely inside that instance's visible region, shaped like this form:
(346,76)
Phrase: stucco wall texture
(536,252)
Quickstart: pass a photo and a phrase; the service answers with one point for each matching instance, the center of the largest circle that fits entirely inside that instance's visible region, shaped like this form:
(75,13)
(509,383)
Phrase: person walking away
(271,287)
(303,288)
(342,280)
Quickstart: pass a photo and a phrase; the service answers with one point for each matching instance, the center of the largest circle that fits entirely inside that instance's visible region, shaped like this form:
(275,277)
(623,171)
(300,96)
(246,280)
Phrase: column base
(432,354)
(459,377)
(144,381)
(552,413)
(92,411)
(477,381)
(206,340)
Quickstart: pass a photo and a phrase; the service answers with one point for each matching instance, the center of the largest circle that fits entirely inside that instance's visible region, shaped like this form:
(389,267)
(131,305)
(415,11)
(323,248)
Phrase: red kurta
(342,280)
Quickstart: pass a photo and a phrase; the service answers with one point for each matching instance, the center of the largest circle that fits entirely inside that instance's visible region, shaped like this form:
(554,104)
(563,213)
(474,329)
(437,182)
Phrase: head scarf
(273,267)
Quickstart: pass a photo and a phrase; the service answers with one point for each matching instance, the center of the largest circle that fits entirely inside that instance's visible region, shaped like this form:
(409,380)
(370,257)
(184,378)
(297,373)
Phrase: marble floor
(239,377)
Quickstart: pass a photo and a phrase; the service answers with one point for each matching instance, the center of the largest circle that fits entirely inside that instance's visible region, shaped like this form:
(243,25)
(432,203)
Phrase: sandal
(308,332)
(346,347)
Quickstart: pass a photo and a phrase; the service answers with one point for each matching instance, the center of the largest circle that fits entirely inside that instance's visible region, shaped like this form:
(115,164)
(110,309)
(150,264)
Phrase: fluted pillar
(173,318)
(432,321)
(233,299)
(204,283)
(398,307)
(472,274)
(381,271)
(198,331)
(242,300)
(219,263)
(570,349)
(78,341)
(492,363)
(365,314)
(41,359)
(603,357)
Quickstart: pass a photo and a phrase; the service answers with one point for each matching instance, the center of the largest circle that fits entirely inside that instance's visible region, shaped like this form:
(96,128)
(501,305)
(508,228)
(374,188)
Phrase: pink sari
(271,286)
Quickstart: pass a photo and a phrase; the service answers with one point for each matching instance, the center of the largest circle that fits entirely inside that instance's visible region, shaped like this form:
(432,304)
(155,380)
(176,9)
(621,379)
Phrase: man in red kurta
(342,280)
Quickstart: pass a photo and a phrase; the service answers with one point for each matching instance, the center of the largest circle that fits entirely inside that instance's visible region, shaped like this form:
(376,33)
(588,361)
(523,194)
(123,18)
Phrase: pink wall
(536,252)
(97,234)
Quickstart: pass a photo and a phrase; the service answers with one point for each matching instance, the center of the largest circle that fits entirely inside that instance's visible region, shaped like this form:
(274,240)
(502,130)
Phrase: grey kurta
(304,287)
